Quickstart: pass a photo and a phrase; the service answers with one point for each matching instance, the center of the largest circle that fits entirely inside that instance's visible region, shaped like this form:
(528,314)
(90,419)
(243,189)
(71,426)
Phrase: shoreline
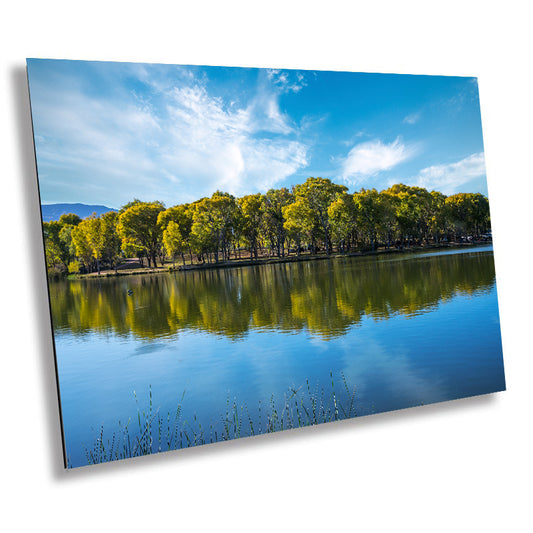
(237,263)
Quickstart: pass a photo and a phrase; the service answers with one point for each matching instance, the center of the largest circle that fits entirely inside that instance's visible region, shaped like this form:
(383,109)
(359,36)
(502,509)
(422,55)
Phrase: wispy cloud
(105,132)
(216,144)
(413,118)
(369,158)
(447,178)
(188,145)
(353,138)
(287,81)
(466,96)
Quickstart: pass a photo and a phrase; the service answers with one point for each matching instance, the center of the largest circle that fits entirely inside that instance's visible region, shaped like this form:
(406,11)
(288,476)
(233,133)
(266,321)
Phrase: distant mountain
(54,211)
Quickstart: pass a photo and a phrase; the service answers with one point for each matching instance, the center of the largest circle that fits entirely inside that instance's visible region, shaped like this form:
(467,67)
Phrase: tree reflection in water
(325,297)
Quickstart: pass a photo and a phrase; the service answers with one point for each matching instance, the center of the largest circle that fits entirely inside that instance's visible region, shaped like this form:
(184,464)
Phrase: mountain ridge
(52,212)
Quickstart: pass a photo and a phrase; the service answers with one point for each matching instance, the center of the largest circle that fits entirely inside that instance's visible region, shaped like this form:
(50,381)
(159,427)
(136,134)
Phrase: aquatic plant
(154,432)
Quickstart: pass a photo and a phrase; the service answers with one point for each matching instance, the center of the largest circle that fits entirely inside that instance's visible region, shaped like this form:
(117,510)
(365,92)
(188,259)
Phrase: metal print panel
(237,251)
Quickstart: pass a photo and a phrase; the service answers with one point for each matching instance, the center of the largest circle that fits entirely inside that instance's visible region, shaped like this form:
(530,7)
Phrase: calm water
(403,330)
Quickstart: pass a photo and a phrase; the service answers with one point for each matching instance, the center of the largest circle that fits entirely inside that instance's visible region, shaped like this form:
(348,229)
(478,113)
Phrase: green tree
(252,215)
(437,215)
(57,245)
(480,213)
(182,215)
(273,221)
(138,224)
(201,238)
(214,216)
(299,220)
(65,236)
(173,241)
(389,221)
(82,246)
(224,207)
(467,213)
(415,209)
(319,193)
(342,215)
(95,238)
(111,239)
(70,219)
(100,236)
(370,212)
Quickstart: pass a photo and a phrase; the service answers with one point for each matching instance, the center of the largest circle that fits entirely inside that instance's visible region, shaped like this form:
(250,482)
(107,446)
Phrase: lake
(403,329)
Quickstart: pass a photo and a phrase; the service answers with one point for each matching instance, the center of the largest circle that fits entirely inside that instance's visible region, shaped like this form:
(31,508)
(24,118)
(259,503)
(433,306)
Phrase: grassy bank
(235,263)
(152,432)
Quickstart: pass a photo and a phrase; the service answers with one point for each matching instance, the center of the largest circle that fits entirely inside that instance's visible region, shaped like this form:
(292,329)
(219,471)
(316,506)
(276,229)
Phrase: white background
(460,466)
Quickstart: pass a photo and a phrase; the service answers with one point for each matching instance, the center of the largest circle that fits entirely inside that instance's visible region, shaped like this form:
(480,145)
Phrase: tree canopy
(138,225)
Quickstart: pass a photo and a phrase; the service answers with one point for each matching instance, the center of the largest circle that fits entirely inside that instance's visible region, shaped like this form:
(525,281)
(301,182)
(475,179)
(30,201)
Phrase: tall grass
(154,432)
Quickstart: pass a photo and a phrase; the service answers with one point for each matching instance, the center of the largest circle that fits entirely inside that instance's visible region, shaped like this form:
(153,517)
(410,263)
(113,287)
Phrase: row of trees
(315,216)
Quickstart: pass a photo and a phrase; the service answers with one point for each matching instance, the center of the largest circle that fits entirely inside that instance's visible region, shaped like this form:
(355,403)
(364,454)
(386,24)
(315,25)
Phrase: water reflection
(325,297)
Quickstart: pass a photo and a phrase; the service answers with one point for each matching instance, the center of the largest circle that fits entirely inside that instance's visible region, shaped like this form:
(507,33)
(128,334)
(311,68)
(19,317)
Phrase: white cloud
(264,115)
(216,146)
(287,81)
(184,144)
(89,147)
(413,118)
(369,158)
(202,115)
(268,163)
(447,178)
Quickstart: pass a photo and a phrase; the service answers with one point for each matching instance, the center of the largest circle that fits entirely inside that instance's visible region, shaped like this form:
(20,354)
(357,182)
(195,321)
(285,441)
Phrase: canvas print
(237,251)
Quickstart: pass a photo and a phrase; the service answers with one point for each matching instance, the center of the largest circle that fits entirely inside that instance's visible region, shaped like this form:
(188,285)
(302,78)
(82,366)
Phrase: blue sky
(106,133)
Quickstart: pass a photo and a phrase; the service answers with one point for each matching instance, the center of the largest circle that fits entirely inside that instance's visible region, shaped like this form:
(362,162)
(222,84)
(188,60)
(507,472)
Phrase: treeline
(315,216)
